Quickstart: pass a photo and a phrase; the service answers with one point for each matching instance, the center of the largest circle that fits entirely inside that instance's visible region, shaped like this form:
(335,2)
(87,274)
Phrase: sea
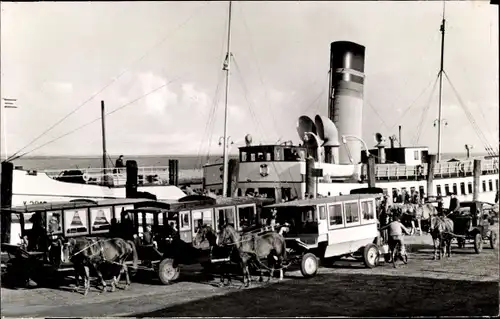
(186,162)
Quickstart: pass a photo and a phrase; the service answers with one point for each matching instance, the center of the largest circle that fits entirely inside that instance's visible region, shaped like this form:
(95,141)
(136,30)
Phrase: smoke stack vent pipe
(347,67)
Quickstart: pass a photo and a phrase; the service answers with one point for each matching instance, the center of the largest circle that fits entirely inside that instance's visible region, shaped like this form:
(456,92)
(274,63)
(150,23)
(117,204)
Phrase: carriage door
(322,223)
(185,226)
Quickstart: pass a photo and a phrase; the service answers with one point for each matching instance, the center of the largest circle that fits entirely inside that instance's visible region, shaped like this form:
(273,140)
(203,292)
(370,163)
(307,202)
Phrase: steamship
(331,160)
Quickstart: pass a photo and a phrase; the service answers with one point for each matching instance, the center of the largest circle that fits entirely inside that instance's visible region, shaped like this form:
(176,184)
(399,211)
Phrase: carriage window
(484,186)
(322,212)
(394,194)
(243,156)
(412,190)
(160,219)
(497,184)
(100,219)
(54,222)
(469,187)
(455,191)
(351,212)
(268,156)
(260,156)
(120,209)
(446,189)
(385,191)
(247,217)
(335,214)
(225,215)
(185,220)
(462,188)
(438,190)
(75,221)
(490,184)
(367,210)
(252,157)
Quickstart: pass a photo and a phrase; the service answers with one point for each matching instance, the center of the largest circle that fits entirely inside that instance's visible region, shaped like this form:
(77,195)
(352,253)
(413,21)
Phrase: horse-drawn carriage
(329,229)
(472,223)
(45,243)
(33,235)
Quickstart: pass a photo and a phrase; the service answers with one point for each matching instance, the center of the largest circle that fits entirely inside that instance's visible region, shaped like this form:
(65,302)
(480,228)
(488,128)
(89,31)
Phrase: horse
(441,230)
(84,252)
(252,248)
(206,233)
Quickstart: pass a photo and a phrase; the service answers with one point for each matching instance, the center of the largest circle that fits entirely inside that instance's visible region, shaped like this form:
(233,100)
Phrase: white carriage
(330,228)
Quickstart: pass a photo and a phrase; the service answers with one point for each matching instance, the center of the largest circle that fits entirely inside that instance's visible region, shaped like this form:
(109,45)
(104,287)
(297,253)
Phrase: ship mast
(227,63)
(440,75)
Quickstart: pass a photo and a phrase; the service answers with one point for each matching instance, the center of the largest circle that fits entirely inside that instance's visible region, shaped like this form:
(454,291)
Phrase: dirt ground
(465,285)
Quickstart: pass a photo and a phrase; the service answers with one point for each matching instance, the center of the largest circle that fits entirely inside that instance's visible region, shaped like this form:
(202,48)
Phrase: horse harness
(99,252)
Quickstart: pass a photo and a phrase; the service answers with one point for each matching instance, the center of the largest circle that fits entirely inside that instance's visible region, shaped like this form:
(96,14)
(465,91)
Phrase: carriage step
(214,261)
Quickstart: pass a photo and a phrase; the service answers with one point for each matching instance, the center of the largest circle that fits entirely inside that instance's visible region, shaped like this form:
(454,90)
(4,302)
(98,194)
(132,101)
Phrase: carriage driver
(396,230)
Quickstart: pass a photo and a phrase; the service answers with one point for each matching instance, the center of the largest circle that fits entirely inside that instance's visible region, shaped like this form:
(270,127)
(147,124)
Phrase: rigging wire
(376,113)
(424,115)
(113,80)
(211,119)
(489,149)
(212,116)
(252,51)
(413,103)
(93,121)
(259,126)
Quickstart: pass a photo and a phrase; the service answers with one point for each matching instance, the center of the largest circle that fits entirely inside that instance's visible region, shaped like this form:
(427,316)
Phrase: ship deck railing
(441,170)
(147,175)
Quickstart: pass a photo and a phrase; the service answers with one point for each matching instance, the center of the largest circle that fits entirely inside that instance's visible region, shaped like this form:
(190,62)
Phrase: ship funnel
(305,127)
(328,132)
(347,78)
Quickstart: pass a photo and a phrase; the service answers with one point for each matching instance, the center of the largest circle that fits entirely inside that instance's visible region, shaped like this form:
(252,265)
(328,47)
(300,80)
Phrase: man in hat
(454,204)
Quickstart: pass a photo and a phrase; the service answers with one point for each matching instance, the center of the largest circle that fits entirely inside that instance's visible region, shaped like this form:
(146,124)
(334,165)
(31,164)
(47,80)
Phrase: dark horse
(441,230)
(84,252)
(251,247)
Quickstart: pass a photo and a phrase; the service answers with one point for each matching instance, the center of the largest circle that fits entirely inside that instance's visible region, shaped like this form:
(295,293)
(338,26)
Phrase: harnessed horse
(441,230)
(85,252)
(252,248)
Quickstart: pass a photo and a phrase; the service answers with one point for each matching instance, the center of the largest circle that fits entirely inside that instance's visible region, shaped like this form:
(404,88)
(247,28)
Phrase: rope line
(424,114)
(113,80)
(91,122)
(470,117)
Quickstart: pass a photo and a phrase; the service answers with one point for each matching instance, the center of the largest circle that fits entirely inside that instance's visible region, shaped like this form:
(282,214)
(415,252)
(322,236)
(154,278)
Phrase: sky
(56,57)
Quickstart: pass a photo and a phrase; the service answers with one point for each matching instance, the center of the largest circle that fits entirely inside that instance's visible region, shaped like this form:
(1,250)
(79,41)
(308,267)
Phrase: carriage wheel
(309,265)
(493,240)
(371,256)
(167,272)
(478,243)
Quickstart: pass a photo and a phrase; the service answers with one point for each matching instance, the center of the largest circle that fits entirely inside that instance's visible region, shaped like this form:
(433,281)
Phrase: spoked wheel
(478,243)
(371,256)
(167,272)
(493,240)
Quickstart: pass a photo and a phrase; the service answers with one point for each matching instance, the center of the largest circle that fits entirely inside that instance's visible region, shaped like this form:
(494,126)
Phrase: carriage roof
(323,200)
(196,202)
(74,204)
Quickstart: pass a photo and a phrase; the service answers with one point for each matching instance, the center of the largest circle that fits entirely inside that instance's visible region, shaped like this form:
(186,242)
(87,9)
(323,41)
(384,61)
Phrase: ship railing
(444,169)
(147,175)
